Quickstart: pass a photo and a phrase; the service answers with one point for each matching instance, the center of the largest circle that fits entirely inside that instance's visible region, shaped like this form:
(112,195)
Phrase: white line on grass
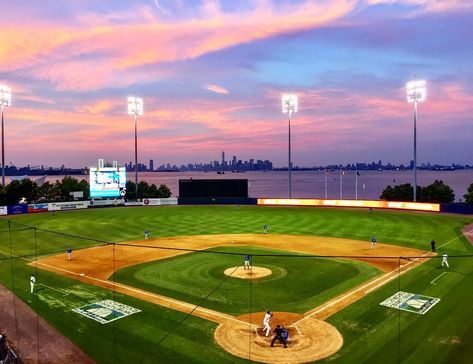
(450,241)
(438,278)
(55,289)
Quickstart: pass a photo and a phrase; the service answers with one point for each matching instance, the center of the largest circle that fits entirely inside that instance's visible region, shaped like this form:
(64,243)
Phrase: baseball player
(281,334)
(146,234)
(266,319)
(445,260)
(373,242)
(265,228)
(247,262)
(69,253)
(32,282)
(432,245)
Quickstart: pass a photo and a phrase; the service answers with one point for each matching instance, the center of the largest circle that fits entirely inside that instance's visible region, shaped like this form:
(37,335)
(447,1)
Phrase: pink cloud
(216,89)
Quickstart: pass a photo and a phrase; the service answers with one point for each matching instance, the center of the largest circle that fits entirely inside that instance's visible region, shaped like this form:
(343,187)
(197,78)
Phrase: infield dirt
(312,338)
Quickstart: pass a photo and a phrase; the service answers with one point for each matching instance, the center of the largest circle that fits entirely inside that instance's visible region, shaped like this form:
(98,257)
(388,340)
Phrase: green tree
(70,184)
(469,195)
(437,192)
(17,190)
(48,192)
(164,192)
(402,192)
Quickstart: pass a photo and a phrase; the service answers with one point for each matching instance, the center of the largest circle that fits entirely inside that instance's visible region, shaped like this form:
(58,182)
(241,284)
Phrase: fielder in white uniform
(32,282)
(445,260)
(266,319)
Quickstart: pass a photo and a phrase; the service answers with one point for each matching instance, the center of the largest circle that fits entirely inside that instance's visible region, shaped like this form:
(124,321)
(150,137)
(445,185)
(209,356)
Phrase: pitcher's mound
(253,273)
(309,340)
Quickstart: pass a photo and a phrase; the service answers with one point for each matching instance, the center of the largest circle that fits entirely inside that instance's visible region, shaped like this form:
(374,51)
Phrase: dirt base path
(33,337)
(313,339)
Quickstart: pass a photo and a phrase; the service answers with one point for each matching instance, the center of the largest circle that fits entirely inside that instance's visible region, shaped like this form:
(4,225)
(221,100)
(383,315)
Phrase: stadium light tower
(5,100)
(135,108)
(416,92)
(289,106)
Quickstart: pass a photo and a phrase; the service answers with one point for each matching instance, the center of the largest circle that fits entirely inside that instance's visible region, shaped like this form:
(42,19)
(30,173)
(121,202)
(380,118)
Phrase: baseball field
(182,296)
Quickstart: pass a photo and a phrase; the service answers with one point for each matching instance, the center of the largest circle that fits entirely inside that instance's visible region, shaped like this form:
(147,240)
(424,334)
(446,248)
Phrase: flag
(357,173)
(327,172)
(343,172)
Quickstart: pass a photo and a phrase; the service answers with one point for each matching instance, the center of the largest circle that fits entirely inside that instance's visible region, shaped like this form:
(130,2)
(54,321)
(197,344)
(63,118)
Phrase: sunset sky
(211,74)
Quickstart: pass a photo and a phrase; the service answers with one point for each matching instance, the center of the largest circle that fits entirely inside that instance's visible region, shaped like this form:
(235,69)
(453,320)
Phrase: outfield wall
(433,207)
(454,208)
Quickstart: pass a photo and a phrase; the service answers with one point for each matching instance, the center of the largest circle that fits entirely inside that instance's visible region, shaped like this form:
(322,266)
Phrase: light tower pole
(416,92)
(135,108)
(289,106)
(5,100)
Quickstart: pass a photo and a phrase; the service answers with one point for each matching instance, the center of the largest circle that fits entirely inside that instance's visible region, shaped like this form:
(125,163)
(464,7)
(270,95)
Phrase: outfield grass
(372,333)
(304,282)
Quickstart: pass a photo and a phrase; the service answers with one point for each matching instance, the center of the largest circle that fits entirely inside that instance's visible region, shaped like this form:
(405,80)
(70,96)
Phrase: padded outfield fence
(191,300)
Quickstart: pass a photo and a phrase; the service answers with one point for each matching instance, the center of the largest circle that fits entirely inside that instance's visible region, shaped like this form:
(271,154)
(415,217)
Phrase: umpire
(281,335)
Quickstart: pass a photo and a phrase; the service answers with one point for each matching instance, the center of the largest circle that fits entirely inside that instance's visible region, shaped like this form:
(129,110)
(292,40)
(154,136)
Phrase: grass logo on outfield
(411,302)
(106,311)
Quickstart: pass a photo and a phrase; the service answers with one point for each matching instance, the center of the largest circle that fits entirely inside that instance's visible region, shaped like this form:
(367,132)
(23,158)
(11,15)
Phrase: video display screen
(107,182)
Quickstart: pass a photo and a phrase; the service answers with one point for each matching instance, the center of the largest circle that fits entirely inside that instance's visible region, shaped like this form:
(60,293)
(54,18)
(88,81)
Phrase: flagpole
(326,184)
(356,183)
(341,184)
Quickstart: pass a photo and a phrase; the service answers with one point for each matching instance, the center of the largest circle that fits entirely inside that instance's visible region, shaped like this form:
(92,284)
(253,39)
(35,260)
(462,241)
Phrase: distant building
(151,165)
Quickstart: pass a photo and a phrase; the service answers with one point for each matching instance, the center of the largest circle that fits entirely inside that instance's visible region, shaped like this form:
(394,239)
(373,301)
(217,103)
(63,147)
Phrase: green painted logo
(106,311)
(410,302)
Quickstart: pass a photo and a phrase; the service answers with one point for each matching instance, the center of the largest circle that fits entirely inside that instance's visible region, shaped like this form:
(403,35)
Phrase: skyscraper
(151,165)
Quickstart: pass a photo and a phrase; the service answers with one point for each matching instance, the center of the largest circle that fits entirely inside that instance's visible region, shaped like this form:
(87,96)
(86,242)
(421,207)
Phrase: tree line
(437,192)
(29,191)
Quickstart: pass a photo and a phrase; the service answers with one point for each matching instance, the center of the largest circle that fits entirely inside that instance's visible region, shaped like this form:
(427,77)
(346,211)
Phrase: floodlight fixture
(5,100)
(289,103)
(289,106)
(416,91)
(5,95)
(135,106)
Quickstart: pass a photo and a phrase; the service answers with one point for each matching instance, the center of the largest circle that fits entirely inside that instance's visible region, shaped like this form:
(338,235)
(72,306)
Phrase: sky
(212,72)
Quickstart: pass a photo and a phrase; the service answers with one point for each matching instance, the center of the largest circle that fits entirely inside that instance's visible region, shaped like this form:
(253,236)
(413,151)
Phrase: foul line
(448,242)
(298,331)
(343,297)
(438,277)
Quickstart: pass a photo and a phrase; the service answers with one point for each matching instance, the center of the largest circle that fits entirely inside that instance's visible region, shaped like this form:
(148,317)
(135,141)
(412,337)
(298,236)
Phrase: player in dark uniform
(281,335)
(432,244)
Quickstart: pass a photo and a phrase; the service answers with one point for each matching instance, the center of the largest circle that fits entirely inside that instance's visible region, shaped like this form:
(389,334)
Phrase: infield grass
(303,282)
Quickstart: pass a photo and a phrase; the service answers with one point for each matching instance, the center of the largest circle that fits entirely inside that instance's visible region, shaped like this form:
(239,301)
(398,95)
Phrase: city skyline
(211,74)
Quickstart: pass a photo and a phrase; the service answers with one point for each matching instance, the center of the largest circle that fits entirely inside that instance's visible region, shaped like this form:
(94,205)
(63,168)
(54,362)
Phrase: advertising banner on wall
(3,210)
(159,201)
(37,207)
(17,209)
(73,205)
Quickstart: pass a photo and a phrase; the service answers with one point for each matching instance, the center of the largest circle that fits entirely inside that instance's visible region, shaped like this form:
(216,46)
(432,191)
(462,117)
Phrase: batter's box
(410,302)
(106,311)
